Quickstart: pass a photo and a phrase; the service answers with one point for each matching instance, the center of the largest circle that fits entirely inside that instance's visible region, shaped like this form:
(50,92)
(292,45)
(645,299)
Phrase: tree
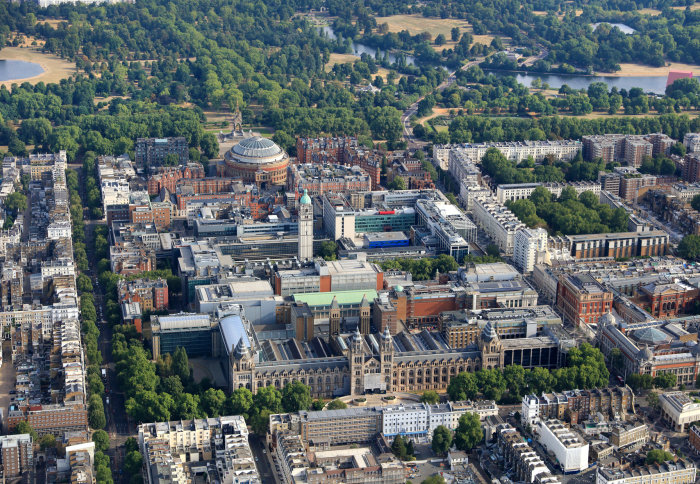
(318,404)
(462,387)
(653,400)
(695,202)
(440,39)
(96,412)
(639,382)
(268,398)
(442,440)
(23,427)
(468,433)
(101,440)
(212,402)
(337,405)
(398,447)
(658,456)
(181,364)
(492,250)
(239,402)
(47,441)
(430,396)
(617,360)
(454,34)
(328,250)
(689,248)
(397,183)
(16,202)
(295,397)
(665,380)
(132,463)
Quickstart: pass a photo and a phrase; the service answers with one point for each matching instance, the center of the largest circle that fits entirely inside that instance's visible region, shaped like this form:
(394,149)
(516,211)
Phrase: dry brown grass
(340,59)
(641,70)
(416,24)
(54,67)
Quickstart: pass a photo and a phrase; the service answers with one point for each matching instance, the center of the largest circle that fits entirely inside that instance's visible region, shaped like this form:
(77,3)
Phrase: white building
(692,142)
(529,248)
(405,420)
(513,150)
(469,191)
(519,191)
(498,222)
(423,419)
(59,229)
(679,410)
(568,447)
(530,410)
(462,167)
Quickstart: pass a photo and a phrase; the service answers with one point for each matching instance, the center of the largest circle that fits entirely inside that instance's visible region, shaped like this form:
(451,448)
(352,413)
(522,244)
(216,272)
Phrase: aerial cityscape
(363,242)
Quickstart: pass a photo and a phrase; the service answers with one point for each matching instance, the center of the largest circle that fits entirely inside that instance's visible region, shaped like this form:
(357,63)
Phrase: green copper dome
(305,199)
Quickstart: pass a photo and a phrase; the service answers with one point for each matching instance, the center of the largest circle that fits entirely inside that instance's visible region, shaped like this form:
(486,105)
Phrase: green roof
(314,299)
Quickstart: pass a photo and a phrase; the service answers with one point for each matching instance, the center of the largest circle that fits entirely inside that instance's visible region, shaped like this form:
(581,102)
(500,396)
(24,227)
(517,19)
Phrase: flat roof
(344,297)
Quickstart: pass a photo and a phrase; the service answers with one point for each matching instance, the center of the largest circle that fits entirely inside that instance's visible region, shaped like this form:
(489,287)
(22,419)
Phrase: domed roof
(645,354)
(651,336)
(398,289)
(305,198)
(256,147)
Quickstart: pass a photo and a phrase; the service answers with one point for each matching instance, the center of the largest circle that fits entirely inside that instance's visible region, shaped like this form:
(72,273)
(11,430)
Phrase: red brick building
(152,295)
(667,300)
(167,177)
(416,307)
(694,438)
(50,419)
(582,299)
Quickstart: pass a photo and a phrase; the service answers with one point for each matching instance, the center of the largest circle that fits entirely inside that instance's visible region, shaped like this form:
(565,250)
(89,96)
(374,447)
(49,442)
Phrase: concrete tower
(306,228)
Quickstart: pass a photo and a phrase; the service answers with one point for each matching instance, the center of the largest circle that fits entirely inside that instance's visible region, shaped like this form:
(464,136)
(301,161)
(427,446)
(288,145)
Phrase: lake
(654,84)
(359,49)
(626,29)
(11,70)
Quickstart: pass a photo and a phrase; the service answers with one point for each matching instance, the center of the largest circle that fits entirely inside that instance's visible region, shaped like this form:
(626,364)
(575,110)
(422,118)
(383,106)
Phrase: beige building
(679,410)
(629,437)
(679,472)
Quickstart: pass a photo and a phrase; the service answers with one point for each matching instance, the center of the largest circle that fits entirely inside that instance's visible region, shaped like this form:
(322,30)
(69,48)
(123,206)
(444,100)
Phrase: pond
(626,29)
(11,70)
(653,84)
(359,49)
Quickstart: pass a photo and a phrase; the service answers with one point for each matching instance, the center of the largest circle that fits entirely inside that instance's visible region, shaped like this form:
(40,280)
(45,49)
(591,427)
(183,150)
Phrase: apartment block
(619,245)
(154,151)
(569,448)
(519,191)
(527,465)
(691,141)
(16,454)
(629,437)
(578,405)
(219,444)
(498,222)
(529,248)
(678,472)
(328,178)
(516,151)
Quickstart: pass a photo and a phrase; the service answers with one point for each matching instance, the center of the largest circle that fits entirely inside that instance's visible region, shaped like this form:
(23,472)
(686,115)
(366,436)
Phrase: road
(118,426)
(411,141)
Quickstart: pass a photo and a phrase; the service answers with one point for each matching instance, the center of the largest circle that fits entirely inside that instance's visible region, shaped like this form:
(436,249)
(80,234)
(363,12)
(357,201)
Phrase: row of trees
(585,369)
(422,269)
(570,214)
